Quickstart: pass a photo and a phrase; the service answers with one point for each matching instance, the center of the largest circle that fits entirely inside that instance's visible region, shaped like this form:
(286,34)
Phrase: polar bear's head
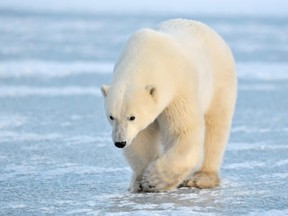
(129,111)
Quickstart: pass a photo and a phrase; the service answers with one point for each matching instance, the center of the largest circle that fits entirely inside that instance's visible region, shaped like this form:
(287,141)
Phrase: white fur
(179,82)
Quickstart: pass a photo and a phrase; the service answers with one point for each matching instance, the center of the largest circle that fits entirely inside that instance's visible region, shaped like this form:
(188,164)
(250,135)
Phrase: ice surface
(51,69)
(22,91)
(56,154)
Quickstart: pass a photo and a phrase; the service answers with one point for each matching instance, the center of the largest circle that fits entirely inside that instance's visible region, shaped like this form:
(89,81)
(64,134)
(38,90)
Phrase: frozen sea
(56,154)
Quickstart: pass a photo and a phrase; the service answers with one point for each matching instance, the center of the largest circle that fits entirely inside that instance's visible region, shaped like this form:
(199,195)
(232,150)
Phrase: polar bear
(171,102)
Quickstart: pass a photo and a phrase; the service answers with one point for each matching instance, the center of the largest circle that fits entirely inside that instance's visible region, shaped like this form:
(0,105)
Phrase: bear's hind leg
(141,152)
(217,132)
(217,124)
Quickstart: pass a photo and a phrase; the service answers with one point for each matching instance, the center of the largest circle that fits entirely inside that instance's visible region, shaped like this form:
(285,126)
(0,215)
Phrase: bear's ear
(104,90)
(151,89)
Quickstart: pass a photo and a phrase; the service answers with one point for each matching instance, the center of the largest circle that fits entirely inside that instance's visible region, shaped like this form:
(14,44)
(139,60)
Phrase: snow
(24,91)
(52,69)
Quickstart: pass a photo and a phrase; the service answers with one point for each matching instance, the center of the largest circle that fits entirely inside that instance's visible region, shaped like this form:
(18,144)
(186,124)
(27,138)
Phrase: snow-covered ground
(56,154)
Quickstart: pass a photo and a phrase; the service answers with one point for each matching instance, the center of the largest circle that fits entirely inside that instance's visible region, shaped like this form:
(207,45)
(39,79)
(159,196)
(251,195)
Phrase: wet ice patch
(169,203)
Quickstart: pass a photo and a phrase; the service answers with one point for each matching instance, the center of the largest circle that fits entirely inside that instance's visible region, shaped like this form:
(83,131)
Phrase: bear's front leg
(135,183)
(140,153)
(182,158)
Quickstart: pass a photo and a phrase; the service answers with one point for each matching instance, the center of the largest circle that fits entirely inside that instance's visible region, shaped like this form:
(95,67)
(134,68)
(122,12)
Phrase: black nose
(120,144)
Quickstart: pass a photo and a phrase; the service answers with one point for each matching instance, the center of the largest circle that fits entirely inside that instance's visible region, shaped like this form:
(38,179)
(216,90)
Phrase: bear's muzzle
(120,144)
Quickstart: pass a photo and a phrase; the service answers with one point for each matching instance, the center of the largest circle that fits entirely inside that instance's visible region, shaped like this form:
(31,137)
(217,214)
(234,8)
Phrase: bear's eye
(111,117)
(131,118)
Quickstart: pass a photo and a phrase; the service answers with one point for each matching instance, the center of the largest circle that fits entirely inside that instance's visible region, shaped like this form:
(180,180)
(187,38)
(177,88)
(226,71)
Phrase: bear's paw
(202,180)
(156,179)
(151,180)
(135,187)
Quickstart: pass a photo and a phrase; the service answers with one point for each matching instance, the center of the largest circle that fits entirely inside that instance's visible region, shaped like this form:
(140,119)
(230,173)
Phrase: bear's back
(187,28)
(208,53)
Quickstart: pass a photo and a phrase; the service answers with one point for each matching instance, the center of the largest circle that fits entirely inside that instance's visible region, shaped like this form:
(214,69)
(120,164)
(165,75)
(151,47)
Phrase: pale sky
(250,7)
